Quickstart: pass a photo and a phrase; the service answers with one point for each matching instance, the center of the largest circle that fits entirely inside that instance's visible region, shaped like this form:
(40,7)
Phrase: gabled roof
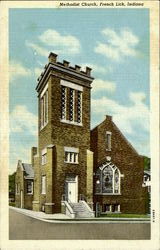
(109,118)
(29,172)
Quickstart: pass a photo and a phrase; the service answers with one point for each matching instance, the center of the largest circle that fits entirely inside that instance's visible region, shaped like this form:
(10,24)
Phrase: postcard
(79,124)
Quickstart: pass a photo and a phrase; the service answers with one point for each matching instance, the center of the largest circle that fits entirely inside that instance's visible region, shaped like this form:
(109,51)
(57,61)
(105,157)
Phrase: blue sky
(114,42)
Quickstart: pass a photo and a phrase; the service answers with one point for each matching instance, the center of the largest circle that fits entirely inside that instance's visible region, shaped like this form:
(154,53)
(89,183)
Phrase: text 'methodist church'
(76,170)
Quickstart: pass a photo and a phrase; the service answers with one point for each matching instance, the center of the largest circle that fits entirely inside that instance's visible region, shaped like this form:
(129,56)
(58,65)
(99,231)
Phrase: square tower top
(65,69)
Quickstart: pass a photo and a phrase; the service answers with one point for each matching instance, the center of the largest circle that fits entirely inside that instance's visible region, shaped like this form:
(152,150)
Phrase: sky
(113,42)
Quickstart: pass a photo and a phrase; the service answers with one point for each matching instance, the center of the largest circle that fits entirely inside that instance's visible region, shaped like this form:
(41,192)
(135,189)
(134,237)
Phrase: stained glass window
(107,180)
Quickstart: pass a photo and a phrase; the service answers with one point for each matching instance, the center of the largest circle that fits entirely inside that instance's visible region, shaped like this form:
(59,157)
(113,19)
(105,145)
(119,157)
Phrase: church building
(78,170)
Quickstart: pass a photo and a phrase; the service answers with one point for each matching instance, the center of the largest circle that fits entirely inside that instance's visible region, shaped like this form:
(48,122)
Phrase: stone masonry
(56,135)
(129,162)
(69,150)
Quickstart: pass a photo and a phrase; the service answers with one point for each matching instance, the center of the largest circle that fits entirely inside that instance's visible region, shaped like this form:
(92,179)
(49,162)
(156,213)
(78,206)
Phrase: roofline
(120,133)
(62,68)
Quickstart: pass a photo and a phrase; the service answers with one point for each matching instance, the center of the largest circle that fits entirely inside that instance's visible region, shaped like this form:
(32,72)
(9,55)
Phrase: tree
(12,183)
(147,163)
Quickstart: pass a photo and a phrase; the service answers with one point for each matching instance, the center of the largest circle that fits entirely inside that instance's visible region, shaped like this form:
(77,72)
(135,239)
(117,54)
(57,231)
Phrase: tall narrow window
(17,188)
(41,105)
(44,156)
(29,187)
(79,106)
(108,140)
(116,181)
(71,105)
(44,109)
(63,102)
(46,106)
(43,184)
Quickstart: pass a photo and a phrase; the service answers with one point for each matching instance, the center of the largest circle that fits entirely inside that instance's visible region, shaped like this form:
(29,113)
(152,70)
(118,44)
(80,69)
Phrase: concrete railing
(88,208)
(68,209)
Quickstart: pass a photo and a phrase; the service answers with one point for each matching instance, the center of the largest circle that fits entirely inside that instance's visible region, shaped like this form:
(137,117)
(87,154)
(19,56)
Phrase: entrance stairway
(77,210)
(82,210)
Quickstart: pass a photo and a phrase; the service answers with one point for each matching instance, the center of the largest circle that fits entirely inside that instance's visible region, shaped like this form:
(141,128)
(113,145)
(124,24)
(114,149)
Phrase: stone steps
(81,210)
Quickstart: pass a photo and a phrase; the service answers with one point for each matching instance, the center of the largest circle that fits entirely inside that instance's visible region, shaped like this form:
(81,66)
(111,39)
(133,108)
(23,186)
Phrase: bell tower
(65,166)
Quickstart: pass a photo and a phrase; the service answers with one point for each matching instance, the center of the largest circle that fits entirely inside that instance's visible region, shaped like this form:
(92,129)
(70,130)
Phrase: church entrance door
(72,188)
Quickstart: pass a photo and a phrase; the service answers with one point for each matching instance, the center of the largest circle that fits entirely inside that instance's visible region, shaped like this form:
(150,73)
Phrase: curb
(84,221)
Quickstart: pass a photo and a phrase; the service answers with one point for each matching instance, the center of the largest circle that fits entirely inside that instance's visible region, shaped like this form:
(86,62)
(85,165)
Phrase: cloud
(19,152)
(97,68)
(16,69)
(62,43)
(132,120)
(38,49)
(38,71)
(102,86)
(126,117)
(23,135)
(118,46)
(21,120)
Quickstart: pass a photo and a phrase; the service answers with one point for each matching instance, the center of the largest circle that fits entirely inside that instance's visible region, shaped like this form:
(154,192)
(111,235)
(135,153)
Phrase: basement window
(111,208)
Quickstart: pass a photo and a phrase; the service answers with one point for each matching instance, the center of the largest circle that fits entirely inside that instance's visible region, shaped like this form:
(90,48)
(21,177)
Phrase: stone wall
(36,198)
(19,179)
(28,198)
(22,182)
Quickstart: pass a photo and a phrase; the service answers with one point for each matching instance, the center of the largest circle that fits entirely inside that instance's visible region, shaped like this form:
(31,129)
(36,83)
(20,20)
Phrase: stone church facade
(77,170)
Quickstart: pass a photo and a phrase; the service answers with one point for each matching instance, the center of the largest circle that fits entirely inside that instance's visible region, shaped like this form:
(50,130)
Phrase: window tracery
(108,179)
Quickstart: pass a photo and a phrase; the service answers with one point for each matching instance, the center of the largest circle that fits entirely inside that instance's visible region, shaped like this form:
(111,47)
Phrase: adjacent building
(24,182)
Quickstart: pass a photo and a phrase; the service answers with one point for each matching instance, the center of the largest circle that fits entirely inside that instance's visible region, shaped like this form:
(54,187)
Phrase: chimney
(109,117)
(52,58)
(65,63)
(33,153)
(88,71)
(77,68)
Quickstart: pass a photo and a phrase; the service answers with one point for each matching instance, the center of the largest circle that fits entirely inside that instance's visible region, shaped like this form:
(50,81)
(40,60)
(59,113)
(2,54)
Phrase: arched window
(108,179)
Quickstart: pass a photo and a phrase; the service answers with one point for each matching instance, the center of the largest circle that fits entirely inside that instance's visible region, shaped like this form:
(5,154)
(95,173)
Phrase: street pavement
(22,227)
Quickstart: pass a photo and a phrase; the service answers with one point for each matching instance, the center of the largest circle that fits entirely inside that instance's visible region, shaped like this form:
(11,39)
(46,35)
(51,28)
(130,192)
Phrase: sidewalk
(66,219)
(40,215)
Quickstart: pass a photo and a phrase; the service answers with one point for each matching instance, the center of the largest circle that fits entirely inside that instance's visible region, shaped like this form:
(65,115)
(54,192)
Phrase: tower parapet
(73,71)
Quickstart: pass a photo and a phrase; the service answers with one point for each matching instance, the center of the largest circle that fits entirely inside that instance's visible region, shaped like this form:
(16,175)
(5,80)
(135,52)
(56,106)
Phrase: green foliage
(12,204)
(147,163)
(119,215)
(12,183)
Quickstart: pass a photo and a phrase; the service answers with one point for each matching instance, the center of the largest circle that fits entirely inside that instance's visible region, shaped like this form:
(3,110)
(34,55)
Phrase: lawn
(119,215)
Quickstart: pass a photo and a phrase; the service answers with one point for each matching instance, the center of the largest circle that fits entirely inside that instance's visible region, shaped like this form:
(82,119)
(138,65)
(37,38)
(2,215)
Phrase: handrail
(65,198)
